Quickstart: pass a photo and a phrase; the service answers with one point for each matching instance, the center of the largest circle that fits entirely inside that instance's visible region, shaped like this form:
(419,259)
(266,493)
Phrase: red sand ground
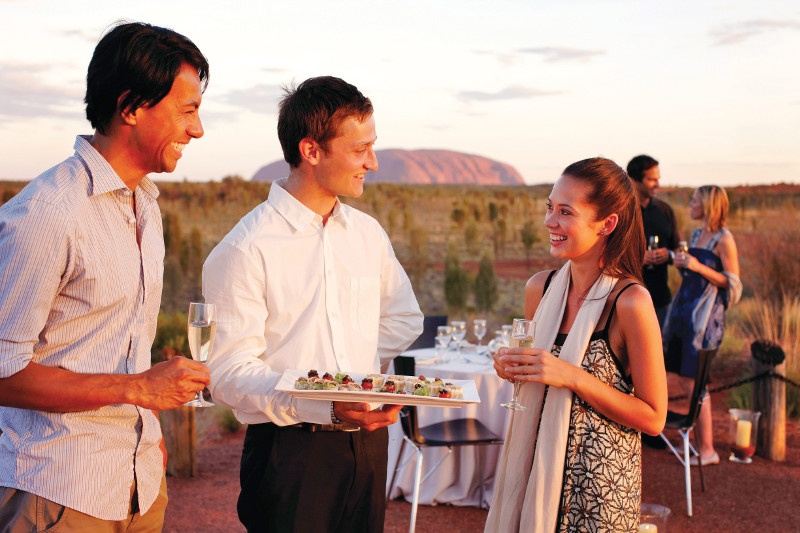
(761,496)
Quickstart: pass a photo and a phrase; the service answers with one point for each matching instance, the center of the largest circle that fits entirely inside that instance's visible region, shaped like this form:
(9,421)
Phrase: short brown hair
(315,109)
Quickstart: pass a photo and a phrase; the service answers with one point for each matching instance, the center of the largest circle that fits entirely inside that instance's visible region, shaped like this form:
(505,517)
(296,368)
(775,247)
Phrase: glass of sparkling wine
(202,327)
(521,337)
(652,244)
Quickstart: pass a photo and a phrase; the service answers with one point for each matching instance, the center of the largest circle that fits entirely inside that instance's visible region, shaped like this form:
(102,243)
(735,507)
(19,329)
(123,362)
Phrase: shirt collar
(104,177)
(297,214)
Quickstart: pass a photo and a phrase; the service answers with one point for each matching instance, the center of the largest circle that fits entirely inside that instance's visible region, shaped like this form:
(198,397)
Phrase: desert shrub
(775,321)
(456,281)
(485,285)
(773,263)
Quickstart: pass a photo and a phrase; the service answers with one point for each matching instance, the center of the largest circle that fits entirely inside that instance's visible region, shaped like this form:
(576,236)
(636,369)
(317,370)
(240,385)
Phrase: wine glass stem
(516,390)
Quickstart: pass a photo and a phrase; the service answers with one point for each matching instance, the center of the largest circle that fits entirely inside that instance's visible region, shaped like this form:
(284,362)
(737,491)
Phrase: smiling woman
(595,374)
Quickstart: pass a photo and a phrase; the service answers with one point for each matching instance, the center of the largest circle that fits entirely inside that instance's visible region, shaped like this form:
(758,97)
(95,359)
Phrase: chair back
(404,366)
(700,382)
(427,339)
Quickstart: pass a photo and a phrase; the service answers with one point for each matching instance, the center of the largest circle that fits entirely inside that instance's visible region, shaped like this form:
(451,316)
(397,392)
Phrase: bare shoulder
(536,282)
(727,239)
(632,297)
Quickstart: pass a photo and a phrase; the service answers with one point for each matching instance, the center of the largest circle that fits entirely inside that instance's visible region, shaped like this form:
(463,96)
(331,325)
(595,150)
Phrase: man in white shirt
(306,282)
(81,262)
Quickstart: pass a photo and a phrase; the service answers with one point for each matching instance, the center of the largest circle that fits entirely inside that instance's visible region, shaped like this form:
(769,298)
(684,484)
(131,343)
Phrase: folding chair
(448,434)
(684,423)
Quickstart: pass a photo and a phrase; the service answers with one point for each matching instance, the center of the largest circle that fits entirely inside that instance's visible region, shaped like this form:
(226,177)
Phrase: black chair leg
(699,462)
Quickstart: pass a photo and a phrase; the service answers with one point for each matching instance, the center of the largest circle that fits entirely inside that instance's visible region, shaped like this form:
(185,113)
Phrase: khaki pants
(23,512)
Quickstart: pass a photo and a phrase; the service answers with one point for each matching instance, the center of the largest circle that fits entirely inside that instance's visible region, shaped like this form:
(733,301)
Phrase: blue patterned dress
(684,334)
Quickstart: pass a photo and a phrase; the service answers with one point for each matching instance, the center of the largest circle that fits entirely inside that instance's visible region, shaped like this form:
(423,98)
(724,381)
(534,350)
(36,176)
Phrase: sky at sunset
(709,88)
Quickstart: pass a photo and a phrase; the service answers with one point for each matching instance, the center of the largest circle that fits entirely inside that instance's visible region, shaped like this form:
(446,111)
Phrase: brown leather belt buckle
(313,428)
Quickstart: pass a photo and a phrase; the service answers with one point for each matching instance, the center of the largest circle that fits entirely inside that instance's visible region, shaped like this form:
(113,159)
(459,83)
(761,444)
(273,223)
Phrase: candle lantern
(744,434)
(653,518)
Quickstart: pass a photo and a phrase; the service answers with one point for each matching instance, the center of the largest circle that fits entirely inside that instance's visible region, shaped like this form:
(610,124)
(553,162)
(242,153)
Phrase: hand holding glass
(520,338)
(202,327)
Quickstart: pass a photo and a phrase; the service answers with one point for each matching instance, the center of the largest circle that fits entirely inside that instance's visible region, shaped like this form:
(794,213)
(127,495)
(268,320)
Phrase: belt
(313,428)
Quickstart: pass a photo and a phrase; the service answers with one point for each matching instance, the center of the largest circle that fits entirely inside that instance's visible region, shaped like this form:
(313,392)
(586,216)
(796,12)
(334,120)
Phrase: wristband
(334,418)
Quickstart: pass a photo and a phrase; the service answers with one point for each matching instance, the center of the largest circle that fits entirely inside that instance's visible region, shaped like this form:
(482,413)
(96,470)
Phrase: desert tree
(486,295)
(529,237)
(456,281)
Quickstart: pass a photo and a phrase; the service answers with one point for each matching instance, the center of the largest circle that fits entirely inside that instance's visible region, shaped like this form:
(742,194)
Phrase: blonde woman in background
(697,318)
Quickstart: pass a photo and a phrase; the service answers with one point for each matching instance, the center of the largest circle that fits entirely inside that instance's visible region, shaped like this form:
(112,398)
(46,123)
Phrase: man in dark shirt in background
(659,219)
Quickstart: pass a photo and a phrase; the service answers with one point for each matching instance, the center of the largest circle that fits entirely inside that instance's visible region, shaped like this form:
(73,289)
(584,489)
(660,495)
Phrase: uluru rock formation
(423,167)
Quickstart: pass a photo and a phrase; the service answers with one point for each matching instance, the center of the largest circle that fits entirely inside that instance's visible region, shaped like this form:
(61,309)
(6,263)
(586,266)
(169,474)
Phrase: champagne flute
(521,337)
(202,328)
(459,331)
(683,249)
(652,244)
(479,329)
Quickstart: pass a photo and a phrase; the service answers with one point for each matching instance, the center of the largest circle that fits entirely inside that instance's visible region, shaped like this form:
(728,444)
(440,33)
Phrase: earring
(602,233)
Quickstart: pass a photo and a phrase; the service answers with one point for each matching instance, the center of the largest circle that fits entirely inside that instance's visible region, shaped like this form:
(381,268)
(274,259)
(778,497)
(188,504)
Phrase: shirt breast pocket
(365,305)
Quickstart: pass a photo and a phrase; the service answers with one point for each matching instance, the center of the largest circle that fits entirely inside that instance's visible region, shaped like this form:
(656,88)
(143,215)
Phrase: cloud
(555,54)
(741,31)
(514,92)
(260,98)
(24,94)
(504,58)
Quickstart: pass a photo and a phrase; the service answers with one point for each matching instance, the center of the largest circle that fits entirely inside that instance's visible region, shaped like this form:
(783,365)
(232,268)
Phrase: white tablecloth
(456,481)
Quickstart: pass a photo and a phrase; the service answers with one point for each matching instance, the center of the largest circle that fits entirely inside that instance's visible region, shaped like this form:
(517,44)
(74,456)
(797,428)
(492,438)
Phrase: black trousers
(297,481)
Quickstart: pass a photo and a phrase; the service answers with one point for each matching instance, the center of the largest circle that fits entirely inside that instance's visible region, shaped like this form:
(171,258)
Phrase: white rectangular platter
(468,390)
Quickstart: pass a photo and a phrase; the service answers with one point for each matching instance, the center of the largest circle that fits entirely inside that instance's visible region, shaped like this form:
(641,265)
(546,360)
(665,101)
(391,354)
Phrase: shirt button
(131,220)
(126,192)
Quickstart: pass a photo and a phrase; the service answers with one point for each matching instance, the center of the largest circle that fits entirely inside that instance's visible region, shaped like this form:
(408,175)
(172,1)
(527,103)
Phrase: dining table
(458,479)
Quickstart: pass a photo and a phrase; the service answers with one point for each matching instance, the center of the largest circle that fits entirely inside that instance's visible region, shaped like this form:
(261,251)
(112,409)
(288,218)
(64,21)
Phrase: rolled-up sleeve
(34,259)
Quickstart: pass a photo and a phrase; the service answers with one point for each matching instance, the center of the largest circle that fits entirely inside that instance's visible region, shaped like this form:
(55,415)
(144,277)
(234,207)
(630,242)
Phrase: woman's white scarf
(528,484)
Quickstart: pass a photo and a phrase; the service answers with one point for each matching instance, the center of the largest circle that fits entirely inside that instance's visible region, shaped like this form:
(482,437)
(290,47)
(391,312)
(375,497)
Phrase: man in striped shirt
(81,263)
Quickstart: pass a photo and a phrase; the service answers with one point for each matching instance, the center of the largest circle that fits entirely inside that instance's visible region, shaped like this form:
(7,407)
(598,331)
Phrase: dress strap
(715,239)
(614,305)
(695,237)
(549,279)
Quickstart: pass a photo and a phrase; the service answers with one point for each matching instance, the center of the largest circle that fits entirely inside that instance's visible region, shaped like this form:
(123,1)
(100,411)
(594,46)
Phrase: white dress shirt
(77,292)
(292,293)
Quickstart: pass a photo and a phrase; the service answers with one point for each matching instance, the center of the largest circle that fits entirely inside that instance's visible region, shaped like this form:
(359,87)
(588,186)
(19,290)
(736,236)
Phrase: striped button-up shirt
(80,289)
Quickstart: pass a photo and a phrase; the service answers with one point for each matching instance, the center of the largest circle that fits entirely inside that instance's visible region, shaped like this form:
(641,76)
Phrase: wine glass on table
(443,338)
(652,244)
(479,329)
(202,328)
(458,332)
(521,337)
